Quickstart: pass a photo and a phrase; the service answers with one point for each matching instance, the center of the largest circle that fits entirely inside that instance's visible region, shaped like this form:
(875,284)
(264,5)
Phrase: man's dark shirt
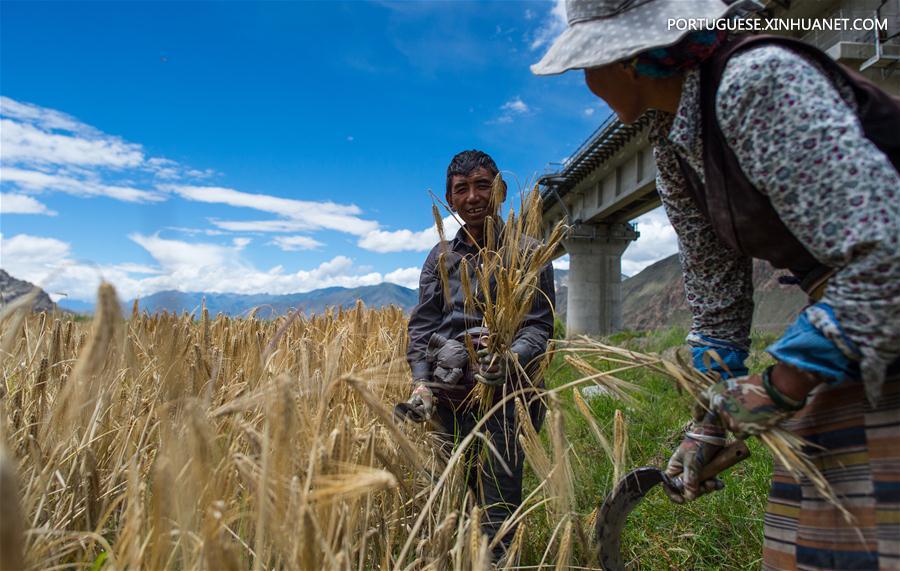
(432,315)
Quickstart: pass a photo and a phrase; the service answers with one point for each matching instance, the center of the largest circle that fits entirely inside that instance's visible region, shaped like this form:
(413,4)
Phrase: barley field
(165,442)
(191,442)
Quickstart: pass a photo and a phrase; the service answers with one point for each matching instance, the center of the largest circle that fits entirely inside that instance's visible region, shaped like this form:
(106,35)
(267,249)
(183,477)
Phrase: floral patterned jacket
(796,135)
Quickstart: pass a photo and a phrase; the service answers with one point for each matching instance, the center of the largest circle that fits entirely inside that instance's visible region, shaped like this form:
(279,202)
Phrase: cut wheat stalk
(787,447)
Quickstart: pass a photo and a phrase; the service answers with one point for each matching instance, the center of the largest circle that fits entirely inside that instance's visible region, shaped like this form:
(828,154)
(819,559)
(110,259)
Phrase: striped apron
(860,457)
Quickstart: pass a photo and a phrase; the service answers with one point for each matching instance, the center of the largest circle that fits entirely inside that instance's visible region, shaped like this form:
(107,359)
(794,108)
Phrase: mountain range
(11,288)
(315,301)
(652,299)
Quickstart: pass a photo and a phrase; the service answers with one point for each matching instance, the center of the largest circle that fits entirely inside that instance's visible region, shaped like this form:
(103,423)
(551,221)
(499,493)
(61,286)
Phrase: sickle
(632,488)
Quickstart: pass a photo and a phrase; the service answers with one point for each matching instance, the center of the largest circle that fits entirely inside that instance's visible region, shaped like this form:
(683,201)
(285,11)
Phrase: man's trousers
(499,492)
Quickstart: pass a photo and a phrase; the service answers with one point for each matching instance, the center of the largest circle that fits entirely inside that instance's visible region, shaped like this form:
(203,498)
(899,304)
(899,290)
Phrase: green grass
(719,531)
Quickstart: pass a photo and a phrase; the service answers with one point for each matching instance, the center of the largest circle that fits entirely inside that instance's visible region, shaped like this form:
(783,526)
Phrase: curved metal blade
(614,512)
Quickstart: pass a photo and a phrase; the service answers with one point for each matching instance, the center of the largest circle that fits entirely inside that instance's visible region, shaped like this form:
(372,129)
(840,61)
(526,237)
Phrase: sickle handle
(726,458)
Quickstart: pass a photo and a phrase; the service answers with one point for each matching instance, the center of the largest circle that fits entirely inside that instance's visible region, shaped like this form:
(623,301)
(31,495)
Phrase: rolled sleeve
(731,358)
(806,345)
(424,319)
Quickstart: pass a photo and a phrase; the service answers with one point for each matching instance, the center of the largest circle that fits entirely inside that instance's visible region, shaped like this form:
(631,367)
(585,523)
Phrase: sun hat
(605,31)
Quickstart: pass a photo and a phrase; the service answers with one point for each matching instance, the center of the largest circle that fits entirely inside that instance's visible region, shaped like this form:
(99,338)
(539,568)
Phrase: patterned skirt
(860,457)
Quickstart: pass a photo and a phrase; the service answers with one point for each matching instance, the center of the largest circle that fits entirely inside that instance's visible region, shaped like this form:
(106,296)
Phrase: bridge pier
(594,305)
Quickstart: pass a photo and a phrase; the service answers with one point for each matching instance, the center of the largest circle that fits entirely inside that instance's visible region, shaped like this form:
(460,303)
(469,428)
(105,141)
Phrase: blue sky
(265,147)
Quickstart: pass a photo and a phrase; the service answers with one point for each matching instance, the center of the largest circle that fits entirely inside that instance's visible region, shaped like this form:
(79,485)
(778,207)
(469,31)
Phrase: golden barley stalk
(620,445)
(12,524)
(585,411)
(564,553)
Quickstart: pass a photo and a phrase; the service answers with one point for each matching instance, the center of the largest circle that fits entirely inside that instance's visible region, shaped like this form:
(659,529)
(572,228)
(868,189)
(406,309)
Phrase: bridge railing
(597,134)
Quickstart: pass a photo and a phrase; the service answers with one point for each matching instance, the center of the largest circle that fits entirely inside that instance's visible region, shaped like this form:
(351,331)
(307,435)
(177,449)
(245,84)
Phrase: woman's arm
(800,142)
(717,280)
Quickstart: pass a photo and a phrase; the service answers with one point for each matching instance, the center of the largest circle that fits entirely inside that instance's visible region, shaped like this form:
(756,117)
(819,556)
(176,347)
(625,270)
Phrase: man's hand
(492,368)
(422,399)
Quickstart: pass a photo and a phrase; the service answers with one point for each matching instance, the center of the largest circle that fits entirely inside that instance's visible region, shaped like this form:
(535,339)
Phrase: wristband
(781,401)
(707,439)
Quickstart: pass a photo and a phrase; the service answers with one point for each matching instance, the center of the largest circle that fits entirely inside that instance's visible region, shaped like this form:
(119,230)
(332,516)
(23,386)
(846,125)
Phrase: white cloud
(33,135)
(48,119)
(213,268)
(196,231)
(165,169)
(185,266)
(296,214)
(295,243)
(657,241)
(589,111)
(561,263)
(47,263)
(407,240)
(21,204)
(262,225)
(515,105)
(22,142)
(177,255)
(231,197)
(137,268)
(36,181)
(36,250)
(43,149)
(553,25)
(407,277)
(510,109)
(200,174)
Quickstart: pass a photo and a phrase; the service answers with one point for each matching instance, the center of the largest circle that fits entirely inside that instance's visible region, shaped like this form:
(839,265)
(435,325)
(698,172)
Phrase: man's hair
(466,162)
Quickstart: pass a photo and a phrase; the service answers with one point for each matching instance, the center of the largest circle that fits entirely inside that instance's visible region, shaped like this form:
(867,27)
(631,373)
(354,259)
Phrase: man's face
(470,196)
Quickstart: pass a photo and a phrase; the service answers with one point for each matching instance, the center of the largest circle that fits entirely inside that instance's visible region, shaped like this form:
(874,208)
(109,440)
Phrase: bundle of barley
(506,278)
(785,446)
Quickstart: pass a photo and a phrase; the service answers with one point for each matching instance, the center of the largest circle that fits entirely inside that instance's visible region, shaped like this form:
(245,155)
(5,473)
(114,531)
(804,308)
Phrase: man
(766,148)
(438,359)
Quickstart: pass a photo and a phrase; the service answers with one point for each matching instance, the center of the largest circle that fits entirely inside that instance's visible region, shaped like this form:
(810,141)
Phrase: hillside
(561,285)
(12,288)
(655,298)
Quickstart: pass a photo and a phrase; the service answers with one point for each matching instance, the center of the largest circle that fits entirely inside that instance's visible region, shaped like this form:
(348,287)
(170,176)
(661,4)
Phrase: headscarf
(672,60)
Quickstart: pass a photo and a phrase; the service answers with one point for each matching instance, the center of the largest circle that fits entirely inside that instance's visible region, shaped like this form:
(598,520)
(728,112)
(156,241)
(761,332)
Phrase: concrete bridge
(611,179)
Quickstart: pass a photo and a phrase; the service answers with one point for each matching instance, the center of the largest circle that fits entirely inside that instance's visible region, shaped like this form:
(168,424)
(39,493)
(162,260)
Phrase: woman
(765,148)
